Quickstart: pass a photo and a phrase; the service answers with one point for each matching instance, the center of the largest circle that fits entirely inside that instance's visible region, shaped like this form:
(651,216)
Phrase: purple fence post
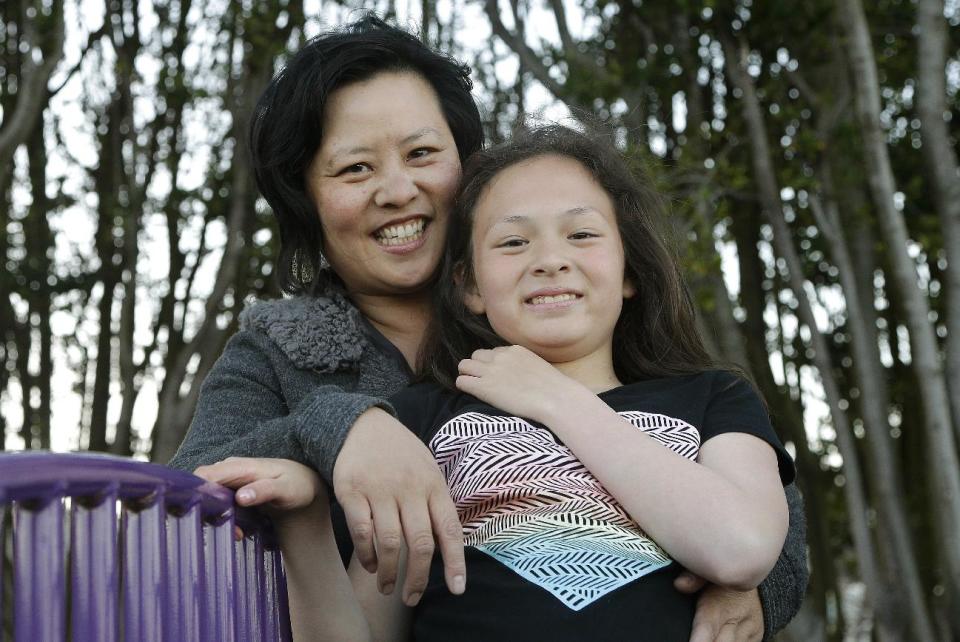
(95,569)
(144,563)
(185,576)
(40,596)
(220,581)
(3,552)
(166,569)
(277,624)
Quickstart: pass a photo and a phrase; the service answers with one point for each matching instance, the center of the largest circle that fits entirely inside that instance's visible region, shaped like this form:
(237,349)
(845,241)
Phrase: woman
(357,146)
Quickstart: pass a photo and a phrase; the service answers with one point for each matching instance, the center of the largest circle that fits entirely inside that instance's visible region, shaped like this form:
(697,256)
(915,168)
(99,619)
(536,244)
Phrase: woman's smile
(383,182)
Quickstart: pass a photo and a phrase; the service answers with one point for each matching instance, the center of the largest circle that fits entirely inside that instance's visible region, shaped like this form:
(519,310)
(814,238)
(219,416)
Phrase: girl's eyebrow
(577,210)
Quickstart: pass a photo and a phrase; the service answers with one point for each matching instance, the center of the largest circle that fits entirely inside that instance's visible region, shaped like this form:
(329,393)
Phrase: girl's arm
(322,602)
(723,517)
(388,617)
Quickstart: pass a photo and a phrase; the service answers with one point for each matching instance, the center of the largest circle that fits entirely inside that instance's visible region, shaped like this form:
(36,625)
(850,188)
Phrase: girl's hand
(514,379)
(280,484)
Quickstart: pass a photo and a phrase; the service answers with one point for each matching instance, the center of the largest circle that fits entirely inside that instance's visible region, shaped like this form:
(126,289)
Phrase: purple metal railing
(105,548)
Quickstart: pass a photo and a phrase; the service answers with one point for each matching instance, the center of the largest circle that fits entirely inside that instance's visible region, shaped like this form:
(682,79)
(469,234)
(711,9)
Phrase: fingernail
(387,589)
(245,495)
(459,584)
(413,599)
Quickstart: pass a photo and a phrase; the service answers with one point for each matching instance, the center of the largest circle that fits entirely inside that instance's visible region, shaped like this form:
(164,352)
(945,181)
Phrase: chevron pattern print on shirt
(528,502)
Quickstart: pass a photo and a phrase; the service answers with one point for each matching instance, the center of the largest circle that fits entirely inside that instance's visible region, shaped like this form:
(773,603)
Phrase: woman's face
(383,181)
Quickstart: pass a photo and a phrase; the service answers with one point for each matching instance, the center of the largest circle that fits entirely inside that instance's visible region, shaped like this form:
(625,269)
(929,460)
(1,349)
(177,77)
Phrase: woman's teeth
(401,234)
(556,298)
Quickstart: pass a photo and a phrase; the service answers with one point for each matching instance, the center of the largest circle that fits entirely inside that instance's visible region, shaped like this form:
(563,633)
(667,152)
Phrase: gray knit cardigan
(300,371)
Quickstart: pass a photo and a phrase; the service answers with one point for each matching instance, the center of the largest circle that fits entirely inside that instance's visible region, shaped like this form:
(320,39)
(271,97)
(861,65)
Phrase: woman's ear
(628,290)
(471,296)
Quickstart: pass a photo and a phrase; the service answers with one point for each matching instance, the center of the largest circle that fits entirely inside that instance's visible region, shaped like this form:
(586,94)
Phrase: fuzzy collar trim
(323,333)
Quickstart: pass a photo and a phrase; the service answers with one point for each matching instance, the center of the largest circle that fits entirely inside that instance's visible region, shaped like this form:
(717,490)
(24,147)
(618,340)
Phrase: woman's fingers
(449,534)
(388,537)
(233,471)
(356,511)
(418,535)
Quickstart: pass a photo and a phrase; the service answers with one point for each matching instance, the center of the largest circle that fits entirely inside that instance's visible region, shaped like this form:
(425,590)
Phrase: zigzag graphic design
(528,502)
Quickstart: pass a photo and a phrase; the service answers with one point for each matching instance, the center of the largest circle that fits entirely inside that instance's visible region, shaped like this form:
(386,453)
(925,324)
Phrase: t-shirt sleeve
(735,406)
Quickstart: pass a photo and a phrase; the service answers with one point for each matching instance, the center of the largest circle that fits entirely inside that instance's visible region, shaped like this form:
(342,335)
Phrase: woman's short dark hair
(656,334)
(286,127)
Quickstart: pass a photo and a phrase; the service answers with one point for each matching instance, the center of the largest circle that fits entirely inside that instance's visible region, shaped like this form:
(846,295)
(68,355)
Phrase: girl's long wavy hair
(656,335)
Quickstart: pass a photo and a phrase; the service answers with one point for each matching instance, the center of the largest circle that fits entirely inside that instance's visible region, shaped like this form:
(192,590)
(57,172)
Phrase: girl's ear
(471,296)
(628,290)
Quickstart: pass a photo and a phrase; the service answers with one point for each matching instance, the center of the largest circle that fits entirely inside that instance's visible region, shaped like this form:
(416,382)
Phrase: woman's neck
(402,319)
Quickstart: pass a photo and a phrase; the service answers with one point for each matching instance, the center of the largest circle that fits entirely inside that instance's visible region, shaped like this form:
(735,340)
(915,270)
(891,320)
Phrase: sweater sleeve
(241,412)
(782,591)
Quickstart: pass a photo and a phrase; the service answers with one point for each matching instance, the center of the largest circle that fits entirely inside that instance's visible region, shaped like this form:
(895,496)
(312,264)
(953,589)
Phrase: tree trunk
(39,241)
(884,472)
(944,465)
(943,173)
(854,490)
(32,81)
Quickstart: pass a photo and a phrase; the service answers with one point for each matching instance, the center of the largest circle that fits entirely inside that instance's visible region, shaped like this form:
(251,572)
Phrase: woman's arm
(242,411)
(723,517)
(384,478)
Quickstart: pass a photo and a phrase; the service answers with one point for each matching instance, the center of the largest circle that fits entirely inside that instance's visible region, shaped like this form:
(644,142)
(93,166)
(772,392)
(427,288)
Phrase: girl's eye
(579,236)
(514,242)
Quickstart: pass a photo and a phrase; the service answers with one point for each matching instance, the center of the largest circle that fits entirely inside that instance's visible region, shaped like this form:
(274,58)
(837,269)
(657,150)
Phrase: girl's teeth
(558,298)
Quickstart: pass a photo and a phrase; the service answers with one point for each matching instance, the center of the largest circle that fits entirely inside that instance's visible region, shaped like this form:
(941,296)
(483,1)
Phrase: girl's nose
(396,188)
(549,262)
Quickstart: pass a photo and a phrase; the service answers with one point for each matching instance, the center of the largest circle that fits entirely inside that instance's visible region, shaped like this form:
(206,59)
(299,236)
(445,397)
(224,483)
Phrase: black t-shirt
(550,553)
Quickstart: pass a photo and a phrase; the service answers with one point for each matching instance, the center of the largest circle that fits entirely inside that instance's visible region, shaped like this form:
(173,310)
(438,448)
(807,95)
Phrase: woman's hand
(497,376)
(392,492)
(279,484)
(723,615)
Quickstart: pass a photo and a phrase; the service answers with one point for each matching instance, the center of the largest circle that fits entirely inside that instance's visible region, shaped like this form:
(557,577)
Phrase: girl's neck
(402,319)
(594,372)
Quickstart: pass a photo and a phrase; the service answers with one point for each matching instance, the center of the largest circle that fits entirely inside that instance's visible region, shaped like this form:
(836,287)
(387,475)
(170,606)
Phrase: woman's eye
(513,243)
(420,152)
(578,236)
(356,168)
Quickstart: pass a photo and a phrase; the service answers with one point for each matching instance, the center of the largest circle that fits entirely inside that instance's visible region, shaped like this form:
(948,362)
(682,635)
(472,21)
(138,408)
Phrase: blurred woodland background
(808,149)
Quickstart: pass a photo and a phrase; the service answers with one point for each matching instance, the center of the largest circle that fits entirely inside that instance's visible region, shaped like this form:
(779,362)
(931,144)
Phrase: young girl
(589,446)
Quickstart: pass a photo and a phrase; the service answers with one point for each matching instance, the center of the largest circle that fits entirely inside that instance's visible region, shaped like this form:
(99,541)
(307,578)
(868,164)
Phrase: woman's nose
(396,188)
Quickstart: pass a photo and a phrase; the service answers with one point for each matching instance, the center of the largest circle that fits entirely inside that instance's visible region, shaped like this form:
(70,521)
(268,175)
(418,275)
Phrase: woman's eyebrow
(420,133)
(336,154)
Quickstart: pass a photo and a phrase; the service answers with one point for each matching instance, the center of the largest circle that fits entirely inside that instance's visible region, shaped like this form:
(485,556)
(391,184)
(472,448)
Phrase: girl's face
(548,261)
(383,181)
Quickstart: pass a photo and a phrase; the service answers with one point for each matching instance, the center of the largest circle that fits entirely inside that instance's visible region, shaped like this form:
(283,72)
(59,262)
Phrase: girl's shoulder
(705,382)
(322,333)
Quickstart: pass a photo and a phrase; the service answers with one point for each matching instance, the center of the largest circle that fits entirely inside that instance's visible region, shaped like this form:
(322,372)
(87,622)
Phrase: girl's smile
(548,261)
